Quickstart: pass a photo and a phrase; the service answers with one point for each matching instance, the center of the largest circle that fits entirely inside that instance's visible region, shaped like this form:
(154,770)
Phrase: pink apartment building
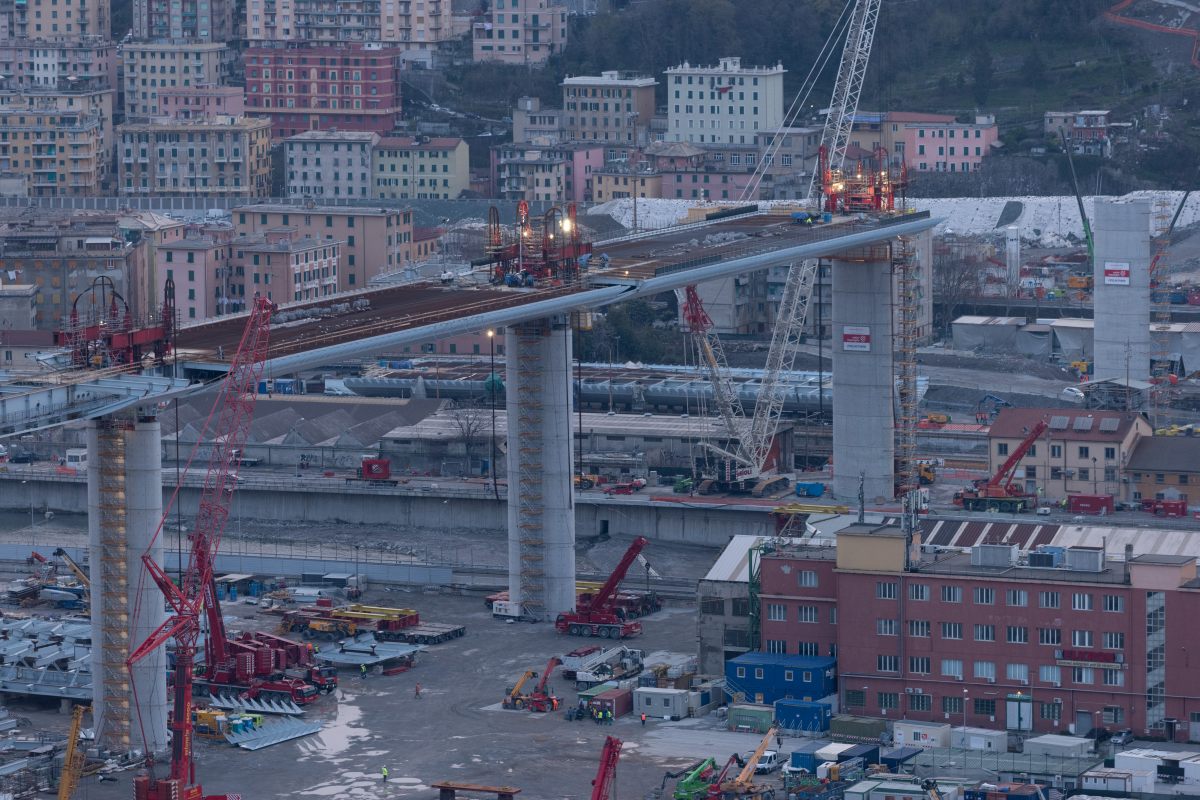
(200,102)
(927,142)
(200,265)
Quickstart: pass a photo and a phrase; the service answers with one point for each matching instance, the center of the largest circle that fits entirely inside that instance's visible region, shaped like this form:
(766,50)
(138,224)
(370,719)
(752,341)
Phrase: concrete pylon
(1121,292)
(864,413)
(541,501)
(124,509)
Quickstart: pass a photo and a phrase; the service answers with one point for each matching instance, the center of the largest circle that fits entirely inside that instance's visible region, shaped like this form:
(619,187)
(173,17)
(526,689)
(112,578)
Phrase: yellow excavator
(514,698)
(74,758)
(742,786)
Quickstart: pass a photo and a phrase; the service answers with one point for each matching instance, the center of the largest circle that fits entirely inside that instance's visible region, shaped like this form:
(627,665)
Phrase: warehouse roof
(1165,454)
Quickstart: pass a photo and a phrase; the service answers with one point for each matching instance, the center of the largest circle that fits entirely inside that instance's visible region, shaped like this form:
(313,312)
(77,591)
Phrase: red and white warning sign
(1116,273)
(856,338)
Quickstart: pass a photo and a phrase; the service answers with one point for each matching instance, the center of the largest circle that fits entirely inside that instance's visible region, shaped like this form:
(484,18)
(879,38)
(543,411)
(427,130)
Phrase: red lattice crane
(998,492)
(605,782)
(229,425)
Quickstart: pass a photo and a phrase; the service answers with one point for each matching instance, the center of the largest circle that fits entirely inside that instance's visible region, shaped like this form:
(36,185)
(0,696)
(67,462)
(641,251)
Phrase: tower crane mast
(233,411)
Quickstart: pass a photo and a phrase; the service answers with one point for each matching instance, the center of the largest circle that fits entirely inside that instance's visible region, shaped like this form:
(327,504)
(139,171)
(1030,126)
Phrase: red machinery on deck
(872,186)
(231,416)
(600,617)
(551,253)
(103,332)
(540,699)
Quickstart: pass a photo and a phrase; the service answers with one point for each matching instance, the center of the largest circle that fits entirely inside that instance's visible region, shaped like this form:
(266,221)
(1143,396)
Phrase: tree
(1033,68)
(982,73)
(471,420)
(955,279)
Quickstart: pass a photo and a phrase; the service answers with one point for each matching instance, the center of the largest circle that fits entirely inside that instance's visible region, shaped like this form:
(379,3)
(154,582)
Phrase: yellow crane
(743,783)
(73,761)
(514,698)
(79,572)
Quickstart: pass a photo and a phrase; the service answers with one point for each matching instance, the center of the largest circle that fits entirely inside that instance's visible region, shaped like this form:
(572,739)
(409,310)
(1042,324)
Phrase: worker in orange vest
(643,719)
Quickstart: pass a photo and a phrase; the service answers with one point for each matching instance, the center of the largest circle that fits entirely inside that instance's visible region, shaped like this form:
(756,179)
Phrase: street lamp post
(491,384)
(32,543)
(1094,477)
(965,708)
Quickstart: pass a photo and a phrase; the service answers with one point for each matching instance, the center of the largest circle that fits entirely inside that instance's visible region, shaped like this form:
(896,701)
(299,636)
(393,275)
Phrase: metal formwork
(106,457)
(904,262)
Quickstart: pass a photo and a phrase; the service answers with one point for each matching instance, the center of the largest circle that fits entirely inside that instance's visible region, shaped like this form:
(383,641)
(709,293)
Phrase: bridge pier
(124,509)
(864,417)
(541,502)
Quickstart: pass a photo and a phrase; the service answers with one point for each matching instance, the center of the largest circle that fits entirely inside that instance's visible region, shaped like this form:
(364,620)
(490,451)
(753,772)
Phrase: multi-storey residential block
(521,32)
(311,87)
(218,156)
(611,107)
(81,62)
(329,164)
(534,124)
(287,266)
(1056,641)
(152,230)
(179,20)
(201,265)
(419,29)
(1082,452)
(926,142)
(151,66)
(373,240)
(406,168)
(201,101)
(63,253)
(48,20)
(1087,131)
(79,98)
(726,103)
(557,173)
(1164,468)
(60,153)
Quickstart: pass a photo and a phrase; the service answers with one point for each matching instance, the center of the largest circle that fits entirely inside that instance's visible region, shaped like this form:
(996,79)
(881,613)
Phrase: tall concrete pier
(124,509)
(1121,296)
(541,504)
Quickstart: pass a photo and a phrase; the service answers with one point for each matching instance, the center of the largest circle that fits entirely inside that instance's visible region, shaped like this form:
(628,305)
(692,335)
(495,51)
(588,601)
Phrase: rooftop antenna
(862,497)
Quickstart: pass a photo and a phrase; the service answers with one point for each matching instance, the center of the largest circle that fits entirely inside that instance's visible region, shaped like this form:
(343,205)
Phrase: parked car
(1123,737)
(620,488)
(16,456)
(769,762)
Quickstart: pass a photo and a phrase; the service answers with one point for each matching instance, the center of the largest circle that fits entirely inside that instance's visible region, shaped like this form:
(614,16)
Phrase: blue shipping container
(767,677)
(801,715)
(805,756)
(869,753)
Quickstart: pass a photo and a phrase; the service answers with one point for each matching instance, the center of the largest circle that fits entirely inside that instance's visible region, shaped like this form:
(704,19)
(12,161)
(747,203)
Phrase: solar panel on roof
(1083,423)
(1110,424)
(1058,423)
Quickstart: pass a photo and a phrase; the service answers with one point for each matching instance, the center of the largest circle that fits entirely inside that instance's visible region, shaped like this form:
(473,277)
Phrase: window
(951,594)
(777,646)
(808,577)
(1018,634)
(1056,451)
(809,614)
(856,697)
(1081,601)
(1084,452)
(808,649)
(984,596)
(712,605)
(889,700)
(1051,674)
(920,702)
(952,630)
(1083,675)
(1113,715)
(1114,640)
(985,633)
(741,607)
(918,591)
(1017,673)
(776,612)
(1112,677)
(1051,710)
(1051,636)
(885,627)
(1114,602)
(985,670)
(888,663)
(758,673)
(1110,453)
(885,590)
(919,628)
(952,668)
(919,664)
(1017,598)
(1048,600)
(985,708)
(1002,448)
(952,704)
(789,675)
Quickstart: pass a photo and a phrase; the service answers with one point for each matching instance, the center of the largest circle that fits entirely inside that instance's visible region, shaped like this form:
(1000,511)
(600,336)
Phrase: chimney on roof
(1128,558)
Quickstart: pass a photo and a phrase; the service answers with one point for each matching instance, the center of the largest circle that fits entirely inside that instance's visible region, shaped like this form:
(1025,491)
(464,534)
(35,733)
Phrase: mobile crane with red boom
(232,412)
(998,492)
(604,784)
(541,700)
(599,616)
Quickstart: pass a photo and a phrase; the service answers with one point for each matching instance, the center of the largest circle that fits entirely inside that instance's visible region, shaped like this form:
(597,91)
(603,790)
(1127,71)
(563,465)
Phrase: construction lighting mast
(229,426)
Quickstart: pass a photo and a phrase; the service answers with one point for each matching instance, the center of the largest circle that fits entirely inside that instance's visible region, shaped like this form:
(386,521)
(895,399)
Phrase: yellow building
(60,153)
(213,157)
(613,182)
(407,168)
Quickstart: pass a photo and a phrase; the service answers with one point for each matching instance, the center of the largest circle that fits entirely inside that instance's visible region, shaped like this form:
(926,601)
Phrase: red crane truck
(599,617)
(998,492)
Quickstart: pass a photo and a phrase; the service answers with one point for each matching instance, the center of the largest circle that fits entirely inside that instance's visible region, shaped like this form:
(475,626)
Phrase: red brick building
(303,88)
(1059,641)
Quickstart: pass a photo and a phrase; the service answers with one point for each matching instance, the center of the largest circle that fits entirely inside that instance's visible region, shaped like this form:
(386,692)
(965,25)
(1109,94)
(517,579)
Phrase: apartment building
(89,99)
(1087,131)
(1064,640)
(1082,452)
(329,164)
(610,107)
(59,153)
(287,266)
(726,103)
(406,168)
(520,32)
(151,230)
(534,124)
(215,156)
(202,266)
(556,173)
(1164,468)
(151,66)
(313,87)
(48,20)
(62,254)
(183,20)
(202,101)
(372,240)
(83,61)
(420,29)
(926,142)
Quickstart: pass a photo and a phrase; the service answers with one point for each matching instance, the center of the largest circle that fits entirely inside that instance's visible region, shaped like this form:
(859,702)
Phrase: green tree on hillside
(982,73)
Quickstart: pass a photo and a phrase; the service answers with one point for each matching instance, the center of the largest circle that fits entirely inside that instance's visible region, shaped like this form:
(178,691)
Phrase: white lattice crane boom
(860,35)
